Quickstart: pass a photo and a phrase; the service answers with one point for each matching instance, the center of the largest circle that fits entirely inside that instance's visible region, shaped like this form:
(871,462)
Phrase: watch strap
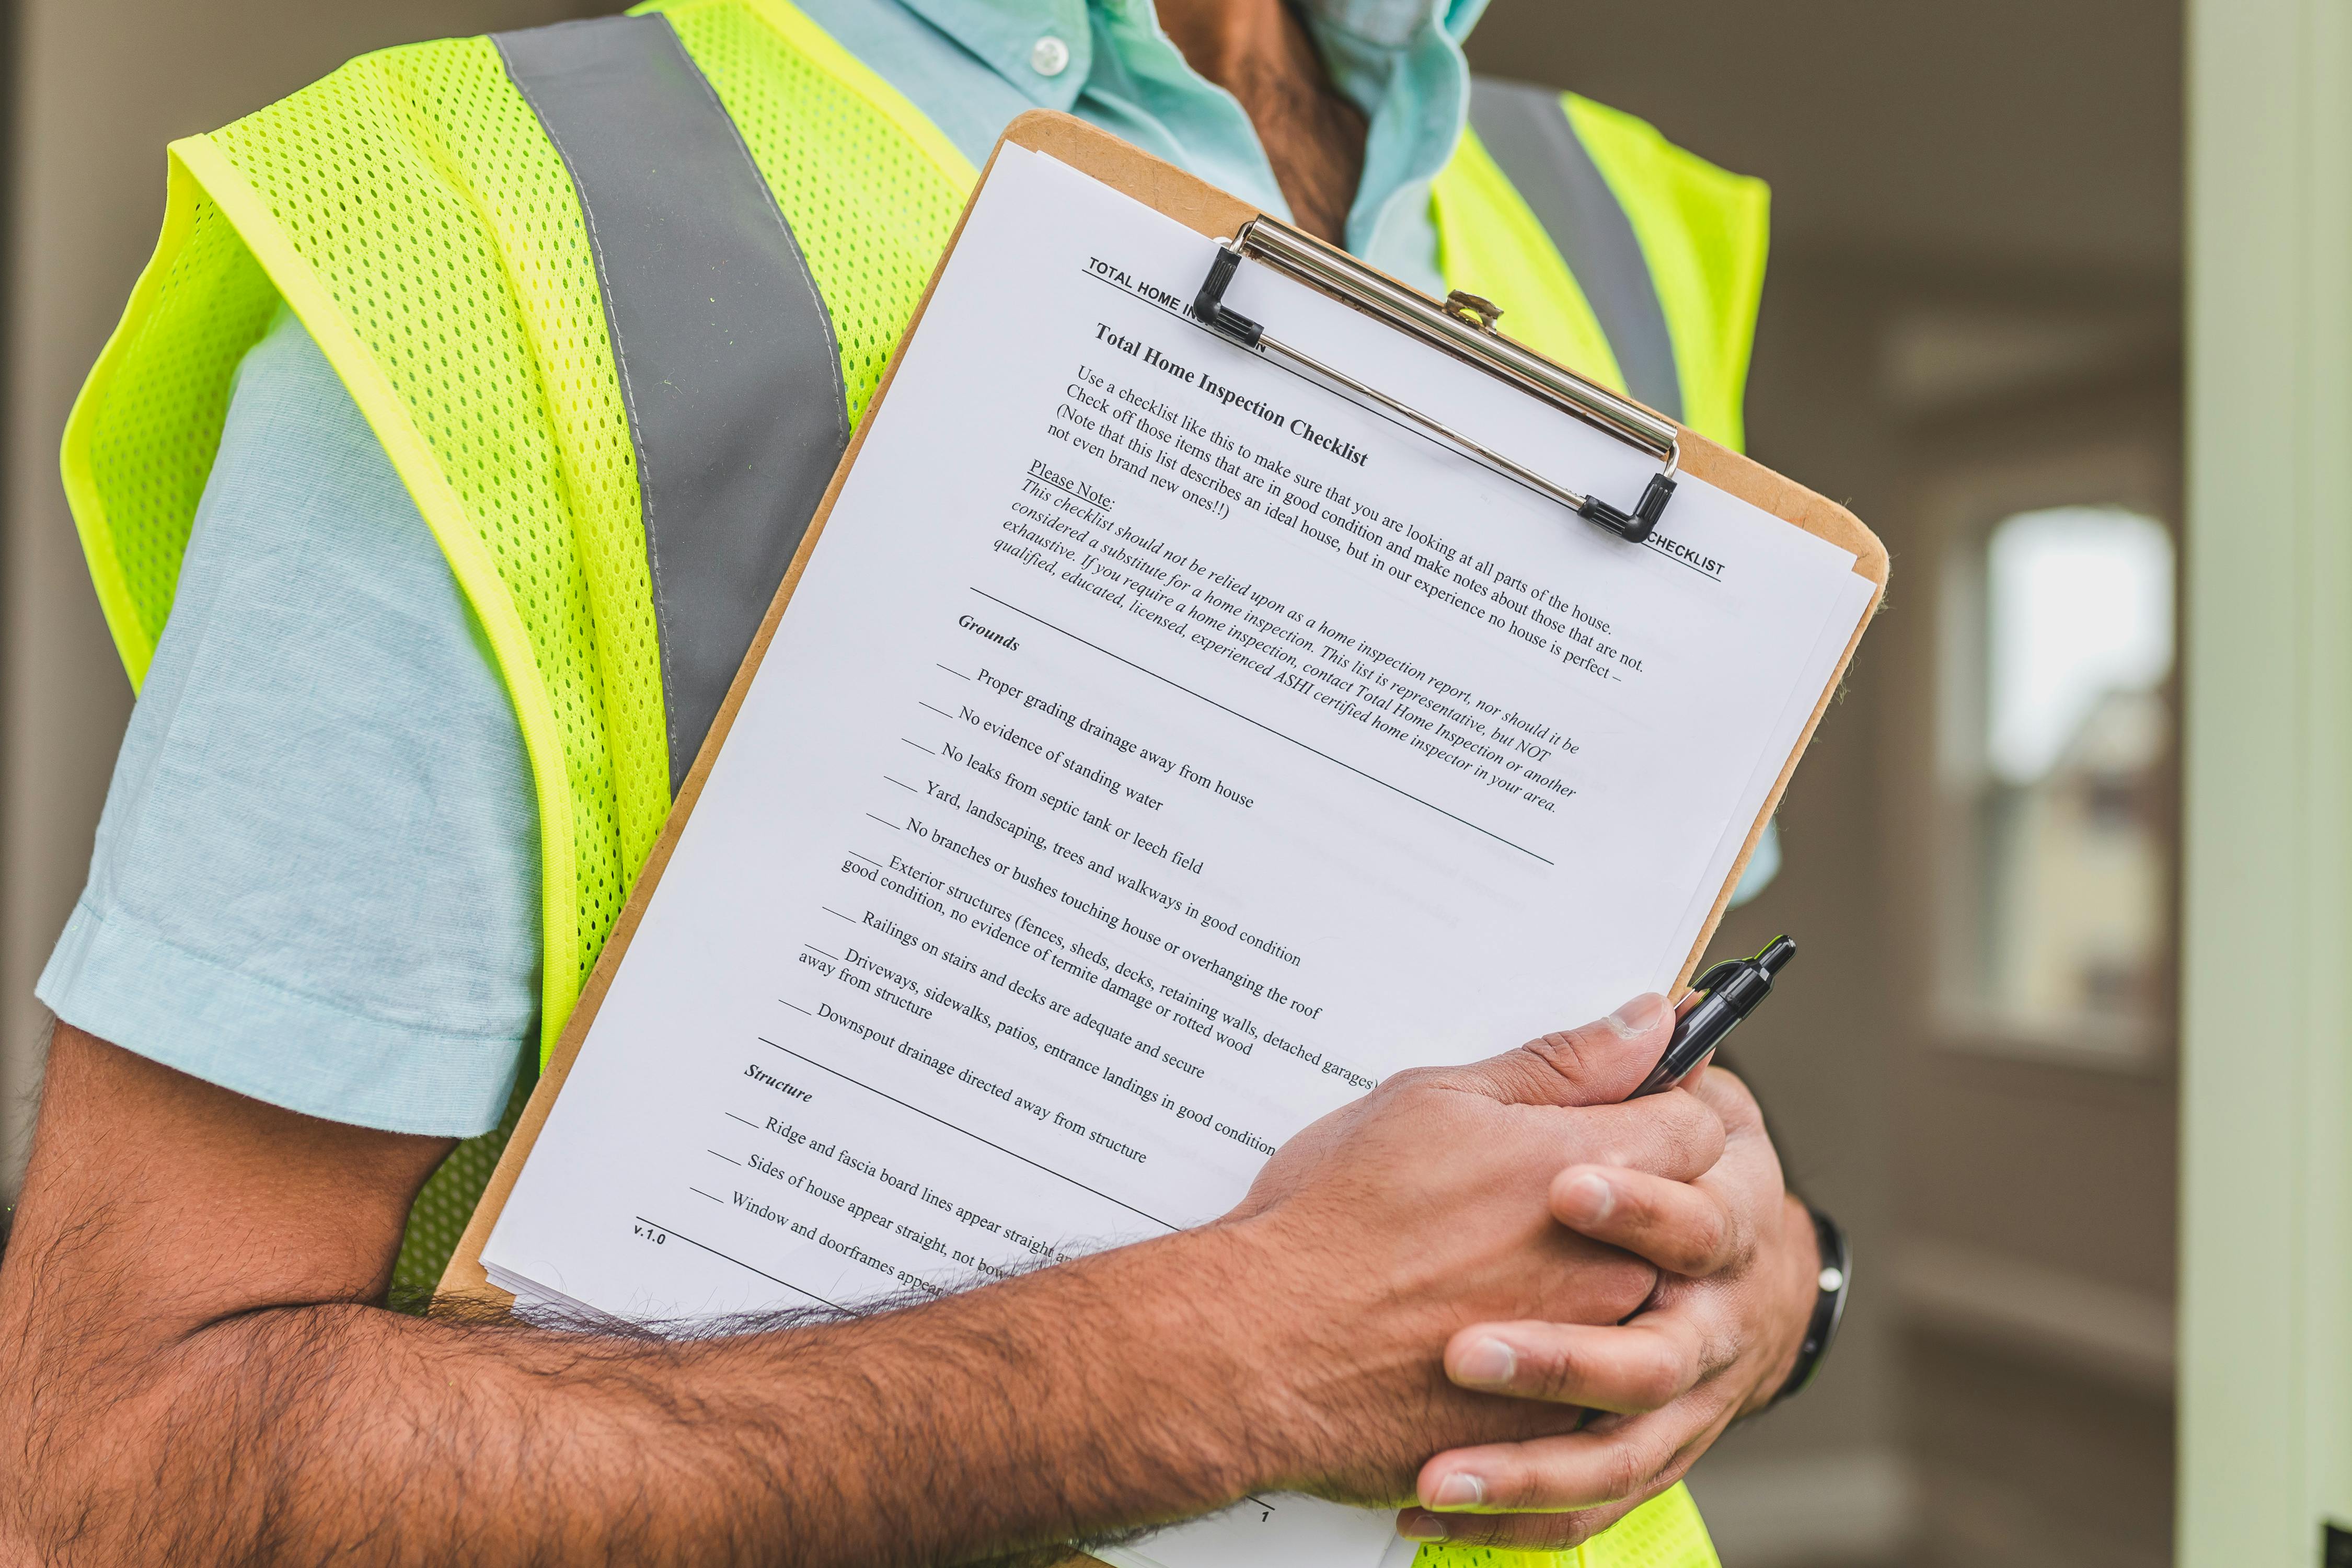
(1829,1304)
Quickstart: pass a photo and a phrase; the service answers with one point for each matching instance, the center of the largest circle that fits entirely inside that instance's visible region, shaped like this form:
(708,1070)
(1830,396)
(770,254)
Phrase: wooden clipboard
(1209,211)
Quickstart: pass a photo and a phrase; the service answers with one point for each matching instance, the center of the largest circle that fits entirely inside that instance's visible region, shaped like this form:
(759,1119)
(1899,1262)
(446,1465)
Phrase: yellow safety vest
(488,237)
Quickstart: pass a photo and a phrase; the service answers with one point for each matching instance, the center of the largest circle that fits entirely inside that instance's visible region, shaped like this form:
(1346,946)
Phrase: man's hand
(1738,1262)
(194,1367)
(1408,1216)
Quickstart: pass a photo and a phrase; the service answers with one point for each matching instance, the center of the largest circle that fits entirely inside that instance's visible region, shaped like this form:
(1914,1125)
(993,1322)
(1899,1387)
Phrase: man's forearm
(1066,1403)
(190,1370)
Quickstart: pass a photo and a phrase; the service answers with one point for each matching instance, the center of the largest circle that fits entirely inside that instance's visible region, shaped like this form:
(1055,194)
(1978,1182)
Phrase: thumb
(1597,1064)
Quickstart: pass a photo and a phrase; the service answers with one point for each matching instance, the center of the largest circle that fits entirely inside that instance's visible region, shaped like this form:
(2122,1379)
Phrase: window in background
(2058,751)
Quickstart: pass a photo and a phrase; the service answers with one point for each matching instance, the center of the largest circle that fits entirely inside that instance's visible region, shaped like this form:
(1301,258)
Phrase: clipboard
(1462,326)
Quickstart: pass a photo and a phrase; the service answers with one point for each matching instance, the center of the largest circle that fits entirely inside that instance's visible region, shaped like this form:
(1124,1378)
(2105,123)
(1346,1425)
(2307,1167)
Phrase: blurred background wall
(1970,336)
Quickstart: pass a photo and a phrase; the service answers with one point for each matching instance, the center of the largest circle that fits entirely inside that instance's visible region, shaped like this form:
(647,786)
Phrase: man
(370,439)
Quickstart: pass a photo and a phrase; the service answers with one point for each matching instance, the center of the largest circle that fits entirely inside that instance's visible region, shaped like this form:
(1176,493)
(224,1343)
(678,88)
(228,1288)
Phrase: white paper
(1157,751)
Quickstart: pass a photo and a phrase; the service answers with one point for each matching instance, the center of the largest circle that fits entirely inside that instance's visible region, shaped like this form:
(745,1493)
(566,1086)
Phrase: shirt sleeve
(316,878)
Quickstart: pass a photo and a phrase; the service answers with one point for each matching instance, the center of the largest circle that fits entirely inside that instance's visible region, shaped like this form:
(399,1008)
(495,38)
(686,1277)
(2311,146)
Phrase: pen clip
(1716,974)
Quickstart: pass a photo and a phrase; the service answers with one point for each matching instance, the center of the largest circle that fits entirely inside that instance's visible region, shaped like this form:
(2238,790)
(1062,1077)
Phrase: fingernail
(1638,1016)
(1588,1199)
(1423,1527)
(1458,1490)
(1487,1364)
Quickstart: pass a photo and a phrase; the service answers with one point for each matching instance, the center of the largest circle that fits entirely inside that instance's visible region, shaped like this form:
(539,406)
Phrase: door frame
(2266,1263)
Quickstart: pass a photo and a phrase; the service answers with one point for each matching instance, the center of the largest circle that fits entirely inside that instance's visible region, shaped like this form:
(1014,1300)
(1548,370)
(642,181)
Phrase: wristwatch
(1829,1305)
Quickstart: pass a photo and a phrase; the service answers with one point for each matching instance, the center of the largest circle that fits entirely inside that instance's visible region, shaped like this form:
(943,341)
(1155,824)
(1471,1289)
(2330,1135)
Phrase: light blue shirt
(316,878)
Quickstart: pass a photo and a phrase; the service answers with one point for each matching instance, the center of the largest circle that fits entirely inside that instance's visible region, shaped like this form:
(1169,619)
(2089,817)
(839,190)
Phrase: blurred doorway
(1970,335)
(2031,773)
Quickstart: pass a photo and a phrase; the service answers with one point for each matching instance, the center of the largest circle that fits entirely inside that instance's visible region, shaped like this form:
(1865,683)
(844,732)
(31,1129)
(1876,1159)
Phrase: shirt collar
(1400,62)
(1394,24)
(1005,35)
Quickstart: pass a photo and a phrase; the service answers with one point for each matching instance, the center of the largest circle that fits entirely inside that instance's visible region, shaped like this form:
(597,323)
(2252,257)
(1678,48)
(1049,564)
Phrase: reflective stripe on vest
(1601,240)
(1705,234)
(1529,138)
(727,365)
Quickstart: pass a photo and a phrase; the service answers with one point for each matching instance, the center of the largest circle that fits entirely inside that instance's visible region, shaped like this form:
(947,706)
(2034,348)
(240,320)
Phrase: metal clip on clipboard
(1464,326)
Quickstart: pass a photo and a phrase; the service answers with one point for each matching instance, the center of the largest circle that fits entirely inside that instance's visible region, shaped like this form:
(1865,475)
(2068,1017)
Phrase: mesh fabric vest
(416,213)
(413,212)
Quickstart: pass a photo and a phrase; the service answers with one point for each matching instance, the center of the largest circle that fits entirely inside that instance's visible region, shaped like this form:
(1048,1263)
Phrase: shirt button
(1049,56)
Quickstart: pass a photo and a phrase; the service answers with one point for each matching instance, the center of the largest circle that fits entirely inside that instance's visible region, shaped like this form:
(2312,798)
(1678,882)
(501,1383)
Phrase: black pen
(1726,995)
